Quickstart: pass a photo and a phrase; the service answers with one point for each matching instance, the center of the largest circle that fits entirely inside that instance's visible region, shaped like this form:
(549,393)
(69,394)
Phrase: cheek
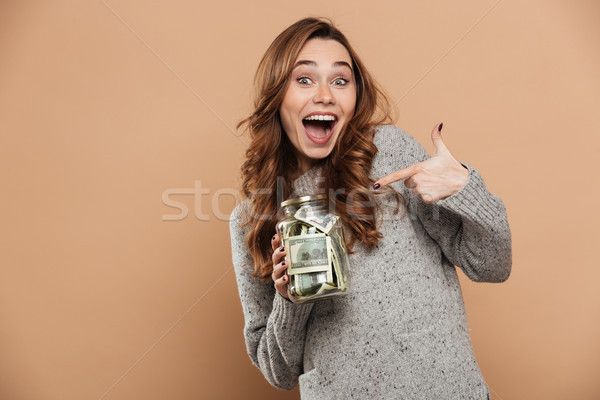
(349,105)
(283,117)
(353,104)
(289,129)
(287,121)
(288,115)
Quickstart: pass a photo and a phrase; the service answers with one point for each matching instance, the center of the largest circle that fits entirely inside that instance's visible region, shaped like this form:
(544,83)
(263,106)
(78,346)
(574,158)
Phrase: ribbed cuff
(473,200)
(290,316)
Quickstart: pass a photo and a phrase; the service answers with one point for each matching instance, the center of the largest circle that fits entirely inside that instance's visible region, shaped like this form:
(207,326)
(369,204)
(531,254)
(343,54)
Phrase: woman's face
(319,101)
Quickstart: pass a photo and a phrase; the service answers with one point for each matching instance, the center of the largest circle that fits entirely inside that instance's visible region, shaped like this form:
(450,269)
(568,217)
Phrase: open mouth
(319,127)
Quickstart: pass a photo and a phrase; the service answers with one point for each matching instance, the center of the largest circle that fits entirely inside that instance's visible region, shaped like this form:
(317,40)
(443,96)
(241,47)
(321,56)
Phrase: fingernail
(273,238)
(376,186)
(283,263)
(440,127)
(285,278)
(282,248)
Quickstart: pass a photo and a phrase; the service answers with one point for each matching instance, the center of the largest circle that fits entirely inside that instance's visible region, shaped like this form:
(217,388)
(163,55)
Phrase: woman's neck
(304,165)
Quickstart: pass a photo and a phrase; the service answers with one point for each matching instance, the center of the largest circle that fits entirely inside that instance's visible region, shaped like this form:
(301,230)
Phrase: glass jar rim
(303,199)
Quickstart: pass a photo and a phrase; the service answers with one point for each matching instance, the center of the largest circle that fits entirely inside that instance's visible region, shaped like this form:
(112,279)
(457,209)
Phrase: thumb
(436,138)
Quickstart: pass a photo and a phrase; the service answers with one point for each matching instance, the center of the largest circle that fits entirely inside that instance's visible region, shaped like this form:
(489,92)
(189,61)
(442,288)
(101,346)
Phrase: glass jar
(317,258)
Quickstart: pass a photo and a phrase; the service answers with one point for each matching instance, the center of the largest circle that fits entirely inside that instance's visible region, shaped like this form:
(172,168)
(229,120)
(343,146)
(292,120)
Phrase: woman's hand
(279,275)
(434,179)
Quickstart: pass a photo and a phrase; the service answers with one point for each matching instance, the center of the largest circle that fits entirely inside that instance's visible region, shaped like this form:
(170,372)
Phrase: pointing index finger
(396,176)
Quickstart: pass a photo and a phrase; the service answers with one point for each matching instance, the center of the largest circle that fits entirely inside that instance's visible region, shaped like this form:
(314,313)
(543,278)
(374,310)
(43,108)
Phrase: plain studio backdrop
(120,165)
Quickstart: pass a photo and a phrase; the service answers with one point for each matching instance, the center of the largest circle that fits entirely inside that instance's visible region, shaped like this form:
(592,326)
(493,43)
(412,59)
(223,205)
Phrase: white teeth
(320,118)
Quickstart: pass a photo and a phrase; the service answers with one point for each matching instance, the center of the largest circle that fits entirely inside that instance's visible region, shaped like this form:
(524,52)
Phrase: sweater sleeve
(274,328)
(470,226)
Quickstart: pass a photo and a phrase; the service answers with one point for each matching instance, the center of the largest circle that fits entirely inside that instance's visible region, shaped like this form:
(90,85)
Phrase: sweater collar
(308,183)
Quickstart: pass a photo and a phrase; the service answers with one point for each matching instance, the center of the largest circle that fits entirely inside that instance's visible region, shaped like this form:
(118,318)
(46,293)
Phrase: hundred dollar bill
(337,254)
(320,291)
(309,253)
(325,288)
(309,284)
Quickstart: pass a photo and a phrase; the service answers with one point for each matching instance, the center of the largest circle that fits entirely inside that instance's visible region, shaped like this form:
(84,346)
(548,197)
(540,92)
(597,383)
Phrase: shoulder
(238,231)
(239,215)
(396,149)
(237,228)
(386,133)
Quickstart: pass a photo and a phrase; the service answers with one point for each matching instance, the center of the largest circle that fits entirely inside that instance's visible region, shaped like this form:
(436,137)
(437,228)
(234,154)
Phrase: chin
(319,154)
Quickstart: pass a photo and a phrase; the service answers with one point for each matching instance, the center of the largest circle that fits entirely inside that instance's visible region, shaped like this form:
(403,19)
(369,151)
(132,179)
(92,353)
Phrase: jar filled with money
(316,251)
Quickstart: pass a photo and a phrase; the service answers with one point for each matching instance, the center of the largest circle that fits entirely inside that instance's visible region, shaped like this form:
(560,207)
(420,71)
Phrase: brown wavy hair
(270,158)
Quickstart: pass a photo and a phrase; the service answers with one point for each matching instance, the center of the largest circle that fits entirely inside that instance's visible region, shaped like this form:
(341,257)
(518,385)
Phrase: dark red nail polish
(376,186)
(283,263)
(273,238)
(285,278)
(440,127)
(282,248)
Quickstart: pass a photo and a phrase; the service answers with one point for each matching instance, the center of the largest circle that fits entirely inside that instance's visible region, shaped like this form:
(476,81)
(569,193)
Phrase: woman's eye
(340,82)
(303,80)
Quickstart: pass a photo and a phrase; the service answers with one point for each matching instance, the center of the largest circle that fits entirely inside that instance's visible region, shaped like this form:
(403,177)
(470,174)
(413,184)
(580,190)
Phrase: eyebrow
(314,64)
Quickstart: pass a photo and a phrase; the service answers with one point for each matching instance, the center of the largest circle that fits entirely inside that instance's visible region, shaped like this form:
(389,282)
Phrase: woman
(401,331)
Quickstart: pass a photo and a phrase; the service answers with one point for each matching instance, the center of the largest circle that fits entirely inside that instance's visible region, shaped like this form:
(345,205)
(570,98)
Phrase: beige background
(106,106)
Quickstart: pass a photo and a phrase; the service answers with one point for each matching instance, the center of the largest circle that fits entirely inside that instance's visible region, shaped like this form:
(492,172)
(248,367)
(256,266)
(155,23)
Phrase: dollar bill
(309,284)
(309,253)
(322,222)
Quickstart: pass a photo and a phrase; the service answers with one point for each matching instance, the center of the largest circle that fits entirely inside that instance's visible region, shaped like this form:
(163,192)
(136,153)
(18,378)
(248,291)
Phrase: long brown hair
(271,155)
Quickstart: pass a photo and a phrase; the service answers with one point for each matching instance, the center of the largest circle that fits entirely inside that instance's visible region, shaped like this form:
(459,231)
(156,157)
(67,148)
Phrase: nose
(324,94)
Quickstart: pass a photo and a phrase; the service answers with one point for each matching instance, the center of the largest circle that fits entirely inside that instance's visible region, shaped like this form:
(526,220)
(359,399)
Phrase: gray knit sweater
(401,331)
